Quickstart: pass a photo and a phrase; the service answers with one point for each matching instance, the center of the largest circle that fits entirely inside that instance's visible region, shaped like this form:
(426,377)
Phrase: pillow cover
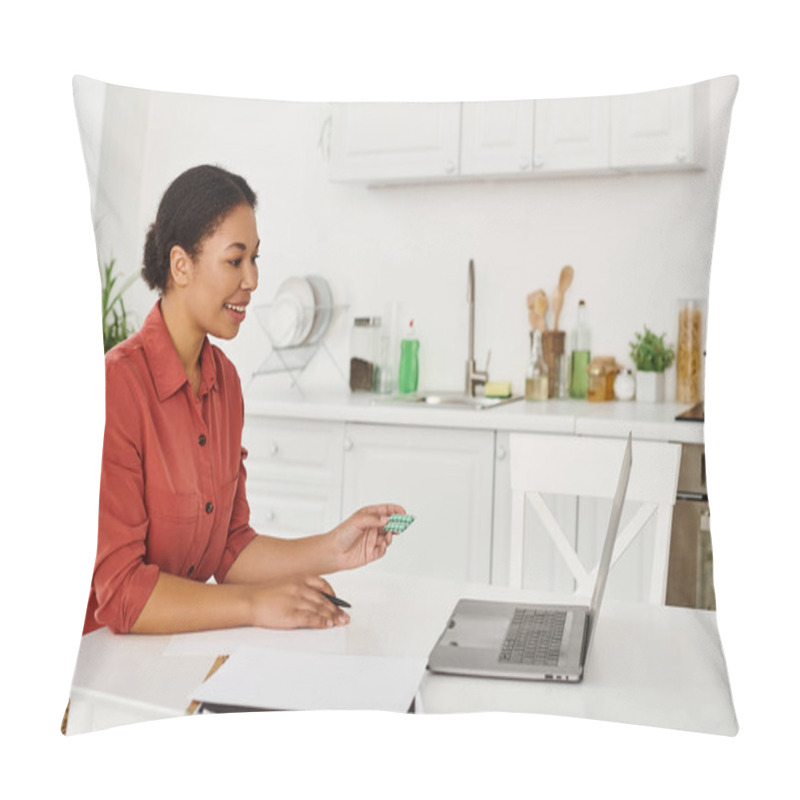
(389,203)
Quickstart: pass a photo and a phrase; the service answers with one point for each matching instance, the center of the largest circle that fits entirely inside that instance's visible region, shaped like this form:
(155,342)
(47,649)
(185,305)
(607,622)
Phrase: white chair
(588,467)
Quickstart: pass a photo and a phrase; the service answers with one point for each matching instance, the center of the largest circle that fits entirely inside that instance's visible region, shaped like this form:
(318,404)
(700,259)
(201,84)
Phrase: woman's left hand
(361,538)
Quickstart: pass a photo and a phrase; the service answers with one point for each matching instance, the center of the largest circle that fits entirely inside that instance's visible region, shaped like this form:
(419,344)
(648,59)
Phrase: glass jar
(596,389)
(562,377)
(602,371)
(689,358)
(365,341)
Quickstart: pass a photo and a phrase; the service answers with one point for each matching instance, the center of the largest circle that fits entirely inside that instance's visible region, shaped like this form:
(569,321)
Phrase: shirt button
(209,508)
(191,570)
(202,440)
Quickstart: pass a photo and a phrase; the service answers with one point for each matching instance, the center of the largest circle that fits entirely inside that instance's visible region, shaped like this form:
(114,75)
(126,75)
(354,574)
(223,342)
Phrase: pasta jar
(689,358)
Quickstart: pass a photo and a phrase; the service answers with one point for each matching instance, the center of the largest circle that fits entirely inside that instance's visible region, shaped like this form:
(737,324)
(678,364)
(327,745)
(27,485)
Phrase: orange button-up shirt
(172,485)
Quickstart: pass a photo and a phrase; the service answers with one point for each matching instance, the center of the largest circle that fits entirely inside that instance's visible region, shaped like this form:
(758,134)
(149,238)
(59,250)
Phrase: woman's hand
(361,538)
(295,602)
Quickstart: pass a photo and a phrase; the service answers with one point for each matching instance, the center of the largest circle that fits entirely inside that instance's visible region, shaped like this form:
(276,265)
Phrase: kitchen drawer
(292,510)
(288,450)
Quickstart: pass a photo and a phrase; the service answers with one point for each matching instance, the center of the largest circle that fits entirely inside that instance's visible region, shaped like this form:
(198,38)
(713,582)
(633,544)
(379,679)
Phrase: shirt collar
(165,366)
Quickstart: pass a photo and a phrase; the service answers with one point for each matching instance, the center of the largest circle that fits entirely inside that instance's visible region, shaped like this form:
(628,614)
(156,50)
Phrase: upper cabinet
(655,129)
(497,138)
(388,142)
(384,143)
(572,134)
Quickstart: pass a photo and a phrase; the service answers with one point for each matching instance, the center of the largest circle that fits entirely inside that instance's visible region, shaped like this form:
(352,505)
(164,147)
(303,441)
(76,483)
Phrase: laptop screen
(611,538)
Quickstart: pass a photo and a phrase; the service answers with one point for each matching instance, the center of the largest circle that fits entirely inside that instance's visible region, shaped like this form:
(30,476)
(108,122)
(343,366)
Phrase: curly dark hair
(191,209)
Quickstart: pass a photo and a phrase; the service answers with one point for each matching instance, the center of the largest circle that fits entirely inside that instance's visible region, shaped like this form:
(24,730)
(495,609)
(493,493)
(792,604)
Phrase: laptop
(529,642)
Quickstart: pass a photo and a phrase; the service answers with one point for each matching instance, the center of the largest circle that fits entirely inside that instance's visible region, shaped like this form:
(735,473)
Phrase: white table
(649,665)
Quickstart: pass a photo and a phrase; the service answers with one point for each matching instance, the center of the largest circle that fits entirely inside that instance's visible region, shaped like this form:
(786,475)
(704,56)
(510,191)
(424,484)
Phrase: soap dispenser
(408,373)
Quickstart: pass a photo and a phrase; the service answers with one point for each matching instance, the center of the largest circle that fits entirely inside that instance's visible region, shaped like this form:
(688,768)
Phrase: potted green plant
(117,325)
(651,356)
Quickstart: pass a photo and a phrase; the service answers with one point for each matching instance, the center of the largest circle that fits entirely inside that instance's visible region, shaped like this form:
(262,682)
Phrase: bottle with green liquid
(408,373)
(581,355)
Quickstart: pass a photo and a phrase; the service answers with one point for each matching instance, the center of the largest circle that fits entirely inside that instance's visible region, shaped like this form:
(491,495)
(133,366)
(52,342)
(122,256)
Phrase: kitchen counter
(654,421)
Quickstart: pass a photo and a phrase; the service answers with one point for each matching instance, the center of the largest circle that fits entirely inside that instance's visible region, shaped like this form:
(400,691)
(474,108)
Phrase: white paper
(287,680)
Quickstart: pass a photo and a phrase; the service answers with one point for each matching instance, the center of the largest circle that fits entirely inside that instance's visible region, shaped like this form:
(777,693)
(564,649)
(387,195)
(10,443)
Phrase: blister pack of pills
(398,523)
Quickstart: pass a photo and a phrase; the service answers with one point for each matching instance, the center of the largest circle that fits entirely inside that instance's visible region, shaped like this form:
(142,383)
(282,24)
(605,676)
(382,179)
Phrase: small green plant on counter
(649,353)
(116,323)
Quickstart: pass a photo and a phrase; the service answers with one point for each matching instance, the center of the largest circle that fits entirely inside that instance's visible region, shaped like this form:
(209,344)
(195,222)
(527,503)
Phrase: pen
(336,601)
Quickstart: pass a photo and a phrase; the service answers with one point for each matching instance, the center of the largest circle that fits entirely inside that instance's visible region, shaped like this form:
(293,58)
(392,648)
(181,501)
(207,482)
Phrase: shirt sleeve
(122,580)
(240,534)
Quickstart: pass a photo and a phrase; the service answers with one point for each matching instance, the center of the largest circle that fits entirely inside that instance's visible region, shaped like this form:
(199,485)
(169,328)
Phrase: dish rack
(293,359)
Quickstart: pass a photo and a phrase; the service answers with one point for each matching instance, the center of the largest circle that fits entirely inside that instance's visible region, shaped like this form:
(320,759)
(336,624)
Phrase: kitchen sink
(450,400)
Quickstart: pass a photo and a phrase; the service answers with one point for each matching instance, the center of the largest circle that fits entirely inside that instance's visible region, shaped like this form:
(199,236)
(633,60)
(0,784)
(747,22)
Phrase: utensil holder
(553,343)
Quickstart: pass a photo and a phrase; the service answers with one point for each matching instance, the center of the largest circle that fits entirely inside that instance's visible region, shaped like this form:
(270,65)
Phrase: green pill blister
(398,523)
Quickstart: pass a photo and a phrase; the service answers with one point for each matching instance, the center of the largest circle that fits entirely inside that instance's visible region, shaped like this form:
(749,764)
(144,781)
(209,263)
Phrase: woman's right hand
(296,602)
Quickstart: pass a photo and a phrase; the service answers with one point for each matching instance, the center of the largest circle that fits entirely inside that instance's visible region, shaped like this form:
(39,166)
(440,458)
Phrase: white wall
(637,243)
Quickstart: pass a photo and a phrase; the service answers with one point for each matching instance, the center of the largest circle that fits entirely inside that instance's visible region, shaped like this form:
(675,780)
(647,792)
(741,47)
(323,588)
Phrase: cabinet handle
(348,444)
(501,453)
(449,167)
(269,516)
(273,449)
(680,156)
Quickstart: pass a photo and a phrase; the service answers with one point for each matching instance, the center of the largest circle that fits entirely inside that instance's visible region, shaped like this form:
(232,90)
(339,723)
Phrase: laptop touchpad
(477,631)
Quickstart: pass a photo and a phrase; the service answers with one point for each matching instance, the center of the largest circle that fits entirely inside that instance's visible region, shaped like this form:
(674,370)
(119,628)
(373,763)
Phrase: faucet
(474,377)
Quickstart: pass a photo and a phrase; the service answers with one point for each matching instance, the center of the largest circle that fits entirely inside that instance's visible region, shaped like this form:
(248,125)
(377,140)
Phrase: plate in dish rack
(291,316)
(324,307)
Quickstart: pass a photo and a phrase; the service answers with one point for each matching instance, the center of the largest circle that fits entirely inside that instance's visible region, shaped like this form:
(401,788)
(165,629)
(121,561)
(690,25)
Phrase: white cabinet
(572,134)
(375,142)
(497,138)
(306,476)
(384,143)
(294,474)
(442,476)
(654,129)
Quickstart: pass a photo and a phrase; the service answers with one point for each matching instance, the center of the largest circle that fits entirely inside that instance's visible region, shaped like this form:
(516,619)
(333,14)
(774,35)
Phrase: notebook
(529,642)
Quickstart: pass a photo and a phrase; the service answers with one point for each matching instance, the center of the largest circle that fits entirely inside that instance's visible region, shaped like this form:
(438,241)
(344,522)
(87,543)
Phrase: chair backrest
(588,467)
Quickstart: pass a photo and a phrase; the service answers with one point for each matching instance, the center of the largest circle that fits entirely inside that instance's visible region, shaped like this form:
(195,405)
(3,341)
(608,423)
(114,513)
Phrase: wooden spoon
(564,282)
(540,307)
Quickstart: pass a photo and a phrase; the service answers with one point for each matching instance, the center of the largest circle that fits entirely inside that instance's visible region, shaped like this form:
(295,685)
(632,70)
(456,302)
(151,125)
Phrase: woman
(173,509)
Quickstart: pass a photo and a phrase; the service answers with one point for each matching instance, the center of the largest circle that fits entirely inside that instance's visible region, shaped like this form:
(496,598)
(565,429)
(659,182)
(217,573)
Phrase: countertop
(615,418)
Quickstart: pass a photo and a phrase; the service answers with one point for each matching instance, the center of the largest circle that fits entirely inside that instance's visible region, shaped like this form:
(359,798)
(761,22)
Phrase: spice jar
(602,371)
(596,391)
(365,340)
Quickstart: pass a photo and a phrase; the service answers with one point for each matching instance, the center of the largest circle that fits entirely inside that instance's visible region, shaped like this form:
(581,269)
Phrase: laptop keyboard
(534,637)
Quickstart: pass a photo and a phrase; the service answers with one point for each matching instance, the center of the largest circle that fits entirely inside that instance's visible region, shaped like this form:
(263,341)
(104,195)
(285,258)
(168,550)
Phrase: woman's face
(224,274)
